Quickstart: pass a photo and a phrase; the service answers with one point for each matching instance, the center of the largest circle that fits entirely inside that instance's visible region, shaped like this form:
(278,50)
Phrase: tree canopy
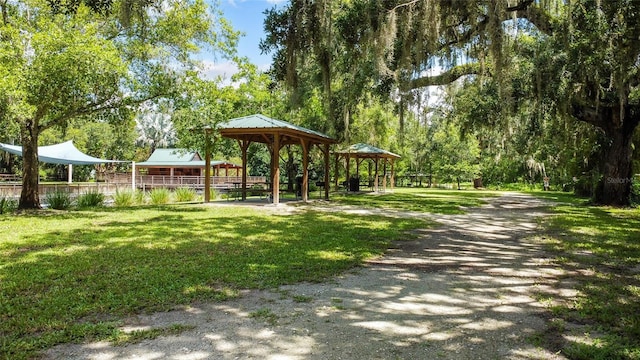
(95,59)
(580,57)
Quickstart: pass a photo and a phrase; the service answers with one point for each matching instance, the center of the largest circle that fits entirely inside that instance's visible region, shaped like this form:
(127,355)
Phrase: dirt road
(462,290)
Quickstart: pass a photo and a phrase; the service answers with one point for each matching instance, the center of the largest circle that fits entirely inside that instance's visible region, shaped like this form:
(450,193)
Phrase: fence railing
(226,182)
(144,182)
(13,190)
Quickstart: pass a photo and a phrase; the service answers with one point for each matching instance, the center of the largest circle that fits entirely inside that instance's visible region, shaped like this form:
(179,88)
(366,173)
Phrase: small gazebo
(361,152)
(275,134)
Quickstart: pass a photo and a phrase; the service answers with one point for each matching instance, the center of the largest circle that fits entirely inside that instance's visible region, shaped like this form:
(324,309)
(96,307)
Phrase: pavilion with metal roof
(183,161)
(361,152)
(275,134)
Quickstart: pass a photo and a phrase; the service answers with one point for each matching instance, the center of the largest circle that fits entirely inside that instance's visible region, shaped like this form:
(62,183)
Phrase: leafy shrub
(140,197)
(8,205)
(185,194)
(92,198)
(124,198)
(160,196)
(59,200)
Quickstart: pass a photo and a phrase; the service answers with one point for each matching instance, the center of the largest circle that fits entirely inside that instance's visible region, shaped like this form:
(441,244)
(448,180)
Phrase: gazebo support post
(347,161)
(326,172)
(358,161)
(305,170)
(336,173)
(384,175)
(244,145)
(70,174)
(133,176)
(370,179)
(207,167)
(375,184)
(275,166)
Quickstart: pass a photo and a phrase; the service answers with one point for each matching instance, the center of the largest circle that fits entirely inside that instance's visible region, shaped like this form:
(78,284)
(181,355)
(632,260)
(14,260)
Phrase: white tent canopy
(65,154)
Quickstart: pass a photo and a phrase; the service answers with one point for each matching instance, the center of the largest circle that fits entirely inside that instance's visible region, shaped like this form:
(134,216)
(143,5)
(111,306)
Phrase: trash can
(299,186)
(354,184)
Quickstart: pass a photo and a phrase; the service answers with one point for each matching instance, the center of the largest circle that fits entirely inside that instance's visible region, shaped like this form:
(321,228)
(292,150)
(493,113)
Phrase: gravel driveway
(462,290)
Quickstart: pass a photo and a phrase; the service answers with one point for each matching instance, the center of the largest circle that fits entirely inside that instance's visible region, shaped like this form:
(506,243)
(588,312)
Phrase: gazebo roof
(258,128)
(64,153)
(367,151)
(180,158)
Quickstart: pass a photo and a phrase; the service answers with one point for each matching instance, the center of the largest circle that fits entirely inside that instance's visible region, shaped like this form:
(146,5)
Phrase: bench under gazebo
(276,134)
(361,152)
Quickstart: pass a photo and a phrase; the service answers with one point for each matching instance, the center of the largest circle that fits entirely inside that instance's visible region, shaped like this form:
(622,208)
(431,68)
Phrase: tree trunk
(30,197)
(614,188)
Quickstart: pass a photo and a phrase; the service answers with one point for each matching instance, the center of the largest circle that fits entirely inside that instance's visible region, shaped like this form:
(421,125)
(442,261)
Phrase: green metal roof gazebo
(275,134)
(361,152)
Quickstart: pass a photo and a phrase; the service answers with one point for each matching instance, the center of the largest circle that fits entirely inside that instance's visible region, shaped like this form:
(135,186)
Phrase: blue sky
(246,16)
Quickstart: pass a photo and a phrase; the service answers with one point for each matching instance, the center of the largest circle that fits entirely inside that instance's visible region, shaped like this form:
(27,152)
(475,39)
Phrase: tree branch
(445,78)
(520,6)
(588,114)
(536,16)
(94,108)
(604,116)
(523,10)
(5,16)
(404,4)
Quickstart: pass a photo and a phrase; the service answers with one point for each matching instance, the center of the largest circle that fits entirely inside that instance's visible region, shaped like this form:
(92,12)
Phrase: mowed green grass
(73,276)
(438,201)
(599,248)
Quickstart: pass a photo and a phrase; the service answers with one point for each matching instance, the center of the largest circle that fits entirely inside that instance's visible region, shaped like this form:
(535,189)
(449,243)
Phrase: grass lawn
(73,276)
(599,247)
(418,199)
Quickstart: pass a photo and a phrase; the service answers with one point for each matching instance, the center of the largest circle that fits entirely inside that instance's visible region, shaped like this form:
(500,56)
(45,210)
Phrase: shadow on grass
(599,248)
(73,279)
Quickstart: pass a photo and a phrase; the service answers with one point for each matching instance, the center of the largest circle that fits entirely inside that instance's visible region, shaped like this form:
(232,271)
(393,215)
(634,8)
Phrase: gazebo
(361,152)
(275,134)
